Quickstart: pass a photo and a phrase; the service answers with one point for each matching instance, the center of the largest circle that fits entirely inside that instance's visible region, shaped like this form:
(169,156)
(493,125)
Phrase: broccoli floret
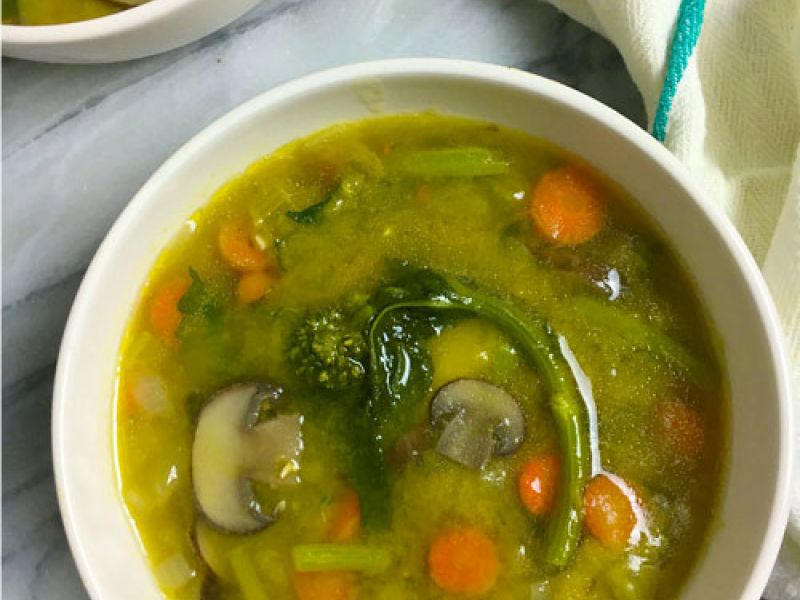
(328,351)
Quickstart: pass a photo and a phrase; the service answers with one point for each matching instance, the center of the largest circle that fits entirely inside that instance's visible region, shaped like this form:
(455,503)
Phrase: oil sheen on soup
(420,357)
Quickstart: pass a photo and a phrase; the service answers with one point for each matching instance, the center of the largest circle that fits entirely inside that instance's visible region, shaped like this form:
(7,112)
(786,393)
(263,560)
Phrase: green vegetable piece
(244,571)
(198,300)
(368,467)
(627,584)
(328,351)
(401,360)
(340,557)
(645,336)
(466,161)
(312,215)
(10,11)
(280,245)
(423,289)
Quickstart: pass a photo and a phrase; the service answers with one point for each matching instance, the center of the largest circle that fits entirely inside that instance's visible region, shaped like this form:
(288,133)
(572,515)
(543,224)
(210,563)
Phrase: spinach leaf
(402,373)
(198,299)
(403,362)
(368,468)
(312,215)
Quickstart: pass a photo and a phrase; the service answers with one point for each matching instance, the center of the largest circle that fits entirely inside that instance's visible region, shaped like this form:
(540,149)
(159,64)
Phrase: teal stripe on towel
(687,32)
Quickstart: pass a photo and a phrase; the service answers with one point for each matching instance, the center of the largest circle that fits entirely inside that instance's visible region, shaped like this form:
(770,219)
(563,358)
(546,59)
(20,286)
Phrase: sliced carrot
(681,427)
(164,314)
(567,206)
(325,585)
(130,405)
(463,561)
(345,524)
(253,285)
(238,248)
(538,483)
(610,516)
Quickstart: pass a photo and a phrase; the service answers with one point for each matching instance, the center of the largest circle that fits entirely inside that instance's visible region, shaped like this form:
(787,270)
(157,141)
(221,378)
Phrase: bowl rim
(128,19)
(491,74)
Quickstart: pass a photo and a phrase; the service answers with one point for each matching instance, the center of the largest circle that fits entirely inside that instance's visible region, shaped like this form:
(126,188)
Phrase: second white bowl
(150,28)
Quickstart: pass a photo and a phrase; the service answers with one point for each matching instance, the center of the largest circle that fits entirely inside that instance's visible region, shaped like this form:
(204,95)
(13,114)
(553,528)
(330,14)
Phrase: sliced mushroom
(480,420)
(233,446)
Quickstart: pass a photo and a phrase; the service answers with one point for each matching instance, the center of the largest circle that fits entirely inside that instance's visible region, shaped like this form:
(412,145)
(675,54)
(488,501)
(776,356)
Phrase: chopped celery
(627,584)
(466,161)
(645,336)
(175,572)
(244,571)
(340,557)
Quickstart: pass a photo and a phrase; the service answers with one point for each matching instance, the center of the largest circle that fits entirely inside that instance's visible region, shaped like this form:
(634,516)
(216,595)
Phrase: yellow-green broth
(472,226)
(54,12)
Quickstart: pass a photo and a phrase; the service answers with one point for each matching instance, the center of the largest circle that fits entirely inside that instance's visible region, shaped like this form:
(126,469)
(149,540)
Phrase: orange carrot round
(238,248)
(252,286)
(681,427)
(325,585)
(164,314)
(610,516)
(567,206)
(345,523)
(463,561)
(538,483)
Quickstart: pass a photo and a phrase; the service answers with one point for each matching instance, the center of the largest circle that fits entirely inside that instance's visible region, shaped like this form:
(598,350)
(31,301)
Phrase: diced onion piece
(150,394)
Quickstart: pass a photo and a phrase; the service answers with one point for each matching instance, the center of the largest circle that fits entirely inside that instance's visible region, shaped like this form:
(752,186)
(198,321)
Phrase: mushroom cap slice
(231,447)
(481,419)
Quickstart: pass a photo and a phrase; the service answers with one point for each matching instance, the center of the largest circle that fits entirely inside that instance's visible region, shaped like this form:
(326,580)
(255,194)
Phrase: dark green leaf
(404,367)
(312,215)
(369,472)
(198,299)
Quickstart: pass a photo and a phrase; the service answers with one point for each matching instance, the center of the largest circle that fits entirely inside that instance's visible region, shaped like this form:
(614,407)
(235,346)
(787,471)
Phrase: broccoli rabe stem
(569,409)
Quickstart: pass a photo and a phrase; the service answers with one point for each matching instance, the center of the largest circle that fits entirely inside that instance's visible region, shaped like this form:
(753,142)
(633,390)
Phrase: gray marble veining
(78,141)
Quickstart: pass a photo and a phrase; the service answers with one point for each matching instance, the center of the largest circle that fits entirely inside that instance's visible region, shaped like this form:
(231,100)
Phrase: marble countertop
(78,141)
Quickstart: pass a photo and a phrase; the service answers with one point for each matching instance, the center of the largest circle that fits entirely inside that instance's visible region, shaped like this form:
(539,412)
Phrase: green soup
(420,357)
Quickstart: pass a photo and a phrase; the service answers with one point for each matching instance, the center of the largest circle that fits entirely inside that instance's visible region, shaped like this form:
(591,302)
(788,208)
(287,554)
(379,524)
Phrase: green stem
(567,405)
(569,411)
(340,557)
(466,161)
(244,571)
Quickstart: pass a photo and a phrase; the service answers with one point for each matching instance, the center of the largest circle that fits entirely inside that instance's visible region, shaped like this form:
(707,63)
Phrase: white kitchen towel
(721,85)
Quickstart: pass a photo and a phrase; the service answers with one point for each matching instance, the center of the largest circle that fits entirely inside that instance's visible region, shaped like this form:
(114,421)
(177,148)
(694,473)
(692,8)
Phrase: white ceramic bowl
(150,28)
(754,504)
